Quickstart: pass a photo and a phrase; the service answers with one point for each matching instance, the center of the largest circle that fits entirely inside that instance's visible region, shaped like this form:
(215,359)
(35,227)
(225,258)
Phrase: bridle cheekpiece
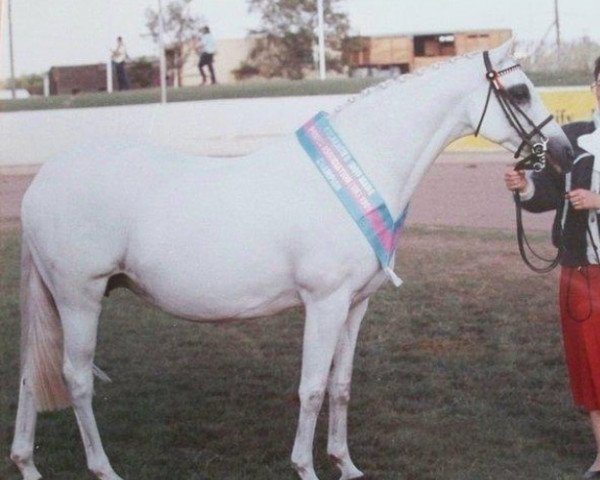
(536,160)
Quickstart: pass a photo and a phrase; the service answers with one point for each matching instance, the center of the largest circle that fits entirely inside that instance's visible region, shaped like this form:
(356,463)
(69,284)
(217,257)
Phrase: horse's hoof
(359,477)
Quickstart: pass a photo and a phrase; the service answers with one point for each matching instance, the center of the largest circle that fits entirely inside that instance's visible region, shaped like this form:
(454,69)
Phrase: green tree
(141,73)
(574,55)
(285,43)
(180,27)
(33,83)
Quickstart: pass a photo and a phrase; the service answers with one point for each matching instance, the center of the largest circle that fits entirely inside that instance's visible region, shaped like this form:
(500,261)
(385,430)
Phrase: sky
(71,32)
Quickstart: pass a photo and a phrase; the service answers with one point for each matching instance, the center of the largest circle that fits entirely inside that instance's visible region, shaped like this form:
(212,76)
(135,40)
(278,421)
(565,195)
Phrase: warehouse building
(394,54)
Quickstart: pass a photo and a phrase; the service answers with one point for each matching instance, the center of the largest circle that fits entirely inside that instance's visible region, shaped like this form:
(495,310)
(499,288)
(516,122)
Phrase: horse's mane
(405,78)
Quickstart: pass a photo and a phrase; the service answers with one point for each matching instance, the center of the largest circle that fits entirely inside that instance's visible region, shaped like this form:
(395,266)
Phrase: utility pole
(321,29)
(163,60)
(11,52)
(557,27)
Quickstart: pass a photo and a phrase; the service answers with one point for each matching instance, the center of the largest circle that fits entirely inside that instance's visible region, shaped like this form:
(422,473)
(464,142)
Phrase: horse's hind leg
(324,321)
(41,385)
(80,325)
(339,393)
(22,447)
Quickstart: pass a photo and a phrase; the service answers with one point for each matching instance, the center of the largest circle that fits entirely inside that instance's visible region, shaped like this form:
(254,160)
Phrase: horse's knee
(312,399)
(22,457)
(339,394)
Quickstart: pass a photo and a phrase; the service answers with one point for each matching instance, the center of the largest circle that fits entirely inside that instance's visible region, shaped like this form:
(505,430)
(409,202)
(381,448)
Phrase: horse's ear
(503,51)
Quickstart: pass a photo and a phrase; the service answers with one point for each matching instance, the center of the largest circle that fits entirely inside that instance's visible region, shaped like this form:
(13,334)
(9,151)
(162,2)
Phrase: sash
(353,188)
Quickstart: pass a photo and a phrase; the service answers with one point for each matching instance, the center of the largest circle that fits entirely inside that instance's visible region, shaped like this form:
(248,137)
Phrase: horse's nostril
(569,153)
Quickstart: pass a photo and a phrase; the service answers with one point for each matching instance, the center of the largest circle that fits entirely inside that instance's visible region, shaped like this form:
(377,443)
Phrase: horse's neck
(397,132)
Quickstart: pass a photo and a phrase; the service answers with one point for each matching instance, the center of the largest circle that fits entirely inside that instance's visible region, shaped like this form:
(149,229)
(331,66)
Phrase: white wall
(216,127)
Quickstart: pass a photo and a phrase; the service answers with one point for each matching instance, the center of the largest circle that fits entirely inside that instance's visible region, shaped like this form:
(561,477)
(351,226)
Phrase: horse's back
(116,177)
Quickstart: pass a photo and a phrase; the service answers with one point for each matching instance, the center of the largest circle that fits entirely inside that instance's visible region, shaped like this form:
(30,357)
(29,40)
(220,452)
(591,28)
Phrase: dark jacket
(550,194)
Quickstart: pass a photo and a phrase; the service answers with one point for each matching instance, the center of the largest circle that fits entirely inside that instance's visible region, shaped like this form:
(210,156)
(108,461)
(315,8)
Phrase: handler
(580,262)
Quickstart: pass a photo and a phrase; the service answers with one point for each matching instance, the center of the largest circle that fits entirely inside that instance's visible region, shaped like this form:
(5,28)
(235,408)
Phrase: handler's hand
(515,180)
(582,199)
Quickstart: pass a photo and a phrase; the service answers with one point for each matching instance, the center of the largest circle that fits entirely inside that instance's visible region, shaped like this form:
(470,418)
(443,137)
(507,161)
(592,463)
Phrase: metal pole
(321,29)
(2,22)
(557,24)
(109,76)
(46,85)
(557,21)
(163,60)
(11,52)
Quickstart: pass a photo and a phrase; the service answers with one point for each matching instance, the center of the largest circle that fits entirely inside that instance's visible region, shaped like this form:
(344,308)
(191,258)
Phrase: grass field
(459,375)
(275,88)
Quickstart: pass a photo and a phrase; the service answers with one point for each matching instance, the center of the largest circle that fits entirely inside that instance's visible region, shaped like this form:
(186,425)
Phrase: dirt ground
(459,190)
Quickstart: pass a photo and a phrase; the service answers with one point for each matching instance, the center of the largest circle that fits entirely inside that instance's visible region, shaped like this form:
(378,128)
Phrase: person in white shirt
(206,50)
(119,57)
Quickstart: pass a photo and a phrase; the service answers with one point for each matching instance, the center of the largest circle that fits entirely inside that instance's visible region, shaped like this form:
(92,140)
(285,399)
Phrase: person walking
(207,50)
(578,237)
(119,57)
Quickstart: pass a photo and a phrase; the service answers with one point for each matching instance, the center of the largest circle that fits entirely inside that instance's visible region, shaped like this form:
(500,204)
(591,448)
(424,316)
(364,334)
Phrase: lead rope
(522,242)
(522,238)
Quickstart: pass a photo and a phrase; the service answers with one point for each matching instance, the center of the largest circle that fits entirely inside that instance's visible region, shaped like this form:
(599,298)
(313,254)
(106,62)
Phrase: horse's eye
(519,93)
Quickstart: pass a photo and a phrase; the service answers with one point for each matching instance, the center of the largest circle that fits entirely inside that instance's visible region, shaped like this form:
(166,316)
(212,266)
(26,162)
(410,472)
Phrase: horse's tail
(41,338)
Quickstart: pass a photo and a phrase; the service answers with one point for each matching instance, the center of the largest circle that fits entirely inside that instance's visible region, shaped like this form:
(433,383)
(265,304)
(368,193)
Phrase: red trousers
(580,319)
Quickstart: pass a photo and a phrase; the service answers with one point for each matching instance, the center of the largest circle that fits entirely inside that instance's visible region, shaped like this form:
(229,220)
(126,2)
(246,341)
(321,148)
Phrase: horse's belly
(208,268)
(205,309)
(213,295)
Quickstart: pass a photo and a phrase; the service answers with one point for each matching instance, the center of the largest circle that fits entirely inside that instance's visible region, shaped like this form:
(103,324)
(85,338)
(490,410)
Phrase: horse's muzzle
(560,154)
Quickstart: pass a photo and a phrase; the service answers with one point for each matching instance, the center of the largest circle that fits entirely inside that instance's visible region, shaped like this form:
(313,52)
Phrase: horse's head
(506,109)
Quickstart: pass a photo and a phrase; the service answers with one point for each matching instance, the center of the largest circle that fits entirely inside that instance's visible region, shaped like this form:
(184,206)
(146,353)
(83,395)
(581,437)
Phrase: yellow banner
(567,104)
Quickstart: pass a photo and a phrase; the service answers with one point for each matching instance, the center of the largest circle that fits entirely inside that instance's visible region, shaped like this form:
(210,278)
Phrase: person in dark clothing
(119,57)
(207,48)
(576,198)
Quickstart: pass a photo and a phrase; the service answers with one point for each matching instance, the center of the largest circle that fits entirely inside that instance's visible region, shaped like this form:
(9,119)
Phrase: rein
(522,242)
(535,161)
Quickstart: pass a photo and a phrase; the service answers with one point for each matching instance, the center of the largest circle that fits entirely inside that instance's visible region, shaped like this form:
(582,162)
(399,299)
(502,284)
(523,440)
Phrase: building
(71,80)
(392,54)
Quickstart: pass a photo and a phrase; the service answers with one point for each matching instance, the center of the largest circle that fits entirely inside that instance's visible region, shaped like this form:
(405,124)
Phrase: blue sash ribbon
(353,188)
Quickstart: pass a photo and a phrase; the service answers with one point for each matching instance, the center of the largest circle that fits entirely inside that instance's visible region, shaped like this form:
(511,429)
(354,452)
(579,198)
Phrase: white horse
(209,240)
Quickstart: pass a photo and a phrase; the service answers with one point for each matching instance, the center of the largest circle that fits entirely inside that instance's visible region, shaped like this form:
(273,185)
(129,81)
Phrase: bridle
(536,160)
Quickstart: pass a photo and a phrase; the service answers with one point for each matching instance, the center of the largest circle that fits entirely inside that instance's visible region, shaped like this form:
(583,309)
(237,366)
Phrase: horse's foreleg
(339,393)
(22,447)
(80,329)
(324,321)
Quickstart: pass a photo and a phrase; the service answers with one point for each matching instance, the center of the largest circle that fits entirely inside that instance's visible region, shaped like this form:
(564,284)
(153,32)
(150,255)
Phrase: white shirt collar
(591,141)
